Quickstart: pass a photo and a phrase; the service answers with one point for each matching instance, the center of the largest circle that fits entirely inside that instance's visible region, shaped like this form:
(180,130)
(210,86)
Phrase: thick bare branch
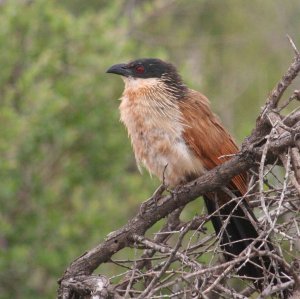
(261,145)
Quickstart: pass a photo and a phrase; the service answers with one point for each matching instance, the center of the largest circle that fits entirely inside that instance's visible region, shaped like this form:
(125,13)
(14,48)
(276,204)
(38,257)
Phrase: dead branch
(169,262)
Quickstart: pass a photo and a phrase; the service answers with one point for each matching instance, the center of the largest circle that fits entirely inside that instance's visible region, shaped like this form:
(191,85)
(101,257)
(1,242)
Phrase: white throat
(136,84)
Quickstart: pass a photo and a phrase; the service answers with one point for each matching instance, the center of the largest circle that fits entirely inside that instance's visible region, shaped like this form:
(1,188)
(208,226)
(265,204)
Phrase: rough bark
(274,137)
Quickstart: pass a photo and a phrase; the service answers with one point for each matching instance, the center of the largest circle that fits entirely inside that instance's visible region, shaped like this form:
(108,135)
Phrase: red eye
(140,69)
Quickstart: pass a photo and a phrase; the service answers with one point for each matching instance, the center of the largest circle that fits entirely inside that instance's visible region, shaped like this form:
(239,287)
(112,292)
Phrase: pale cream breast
(154,125)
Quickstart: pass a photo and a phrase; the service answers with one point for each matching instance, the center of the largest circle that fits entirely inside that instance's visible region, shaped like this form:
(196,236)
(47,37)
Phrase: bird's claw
(153,199)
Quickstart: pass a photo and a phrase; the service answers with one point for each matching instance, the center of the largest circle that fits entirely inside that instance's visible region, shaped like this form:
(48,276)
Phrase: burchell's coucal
(177,137)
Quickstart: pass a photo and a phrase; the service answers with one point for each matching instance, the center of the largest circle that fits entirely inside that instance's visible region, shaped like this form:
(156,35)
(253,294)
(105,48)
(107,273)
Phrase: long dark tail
(236,233)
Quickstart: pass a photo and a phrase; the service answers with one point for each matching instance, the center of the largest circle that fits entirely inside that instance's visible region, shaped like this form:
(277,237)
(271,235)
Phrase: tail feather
(237,235)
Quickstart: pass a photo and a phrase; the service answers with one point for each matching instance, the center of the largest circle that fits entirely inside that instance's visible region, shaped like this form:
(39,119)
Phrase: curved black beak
(119,69)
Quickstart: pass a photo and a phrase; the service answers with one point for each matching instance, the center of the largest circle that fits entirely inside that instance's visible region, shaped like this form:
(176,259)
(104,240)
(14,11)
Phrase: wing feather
(206,137)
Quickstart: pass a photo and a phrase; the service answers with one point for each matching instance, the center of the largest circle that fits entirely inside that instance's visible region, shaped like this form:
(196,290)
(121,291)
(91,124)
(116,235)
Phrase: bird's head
(152,72)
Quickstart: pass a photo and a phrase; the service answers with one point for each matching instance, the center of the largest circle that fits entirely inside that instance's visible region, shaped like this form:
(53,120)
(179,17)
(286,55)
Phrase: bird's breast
(156,132)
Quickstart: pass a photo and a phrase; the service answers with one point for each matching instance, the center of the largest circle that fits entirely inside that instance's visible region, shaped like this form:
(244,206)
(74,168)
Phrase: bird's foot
(153,199)
(179,189)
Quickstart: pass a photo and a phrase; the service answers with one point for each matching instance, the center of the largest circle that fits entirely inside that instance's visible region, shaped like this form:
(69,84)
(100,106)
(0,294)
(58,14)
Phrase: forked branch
(175,270)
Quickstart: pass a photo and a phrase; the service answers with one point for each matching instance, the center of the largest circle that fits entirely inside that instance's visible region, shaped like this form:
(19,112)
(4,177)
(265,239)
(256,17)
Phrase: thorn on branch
(278,197)
(293,45)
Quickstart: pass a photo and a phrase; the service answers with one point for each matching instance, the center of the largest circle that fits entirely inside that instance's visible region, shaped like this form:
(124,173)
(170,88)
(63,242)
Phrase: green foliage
(63,152)
(67,175)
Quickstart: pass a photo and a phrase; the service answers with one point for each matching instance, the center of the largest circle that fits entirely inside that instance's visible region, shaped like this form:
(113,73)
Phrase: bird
(176,137)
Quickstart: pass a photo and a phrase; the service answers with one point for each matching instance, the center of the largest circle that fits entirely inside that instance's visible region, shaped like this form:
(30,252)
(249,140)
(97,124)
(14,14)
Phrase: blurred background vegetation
(67,173)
